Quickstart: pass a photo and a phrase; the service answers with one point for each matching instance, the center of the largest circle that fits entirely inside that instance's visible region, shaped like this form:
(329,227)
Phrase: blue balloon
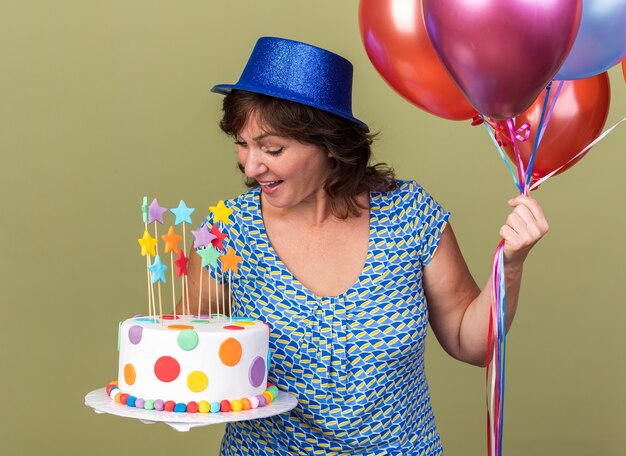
(600,42)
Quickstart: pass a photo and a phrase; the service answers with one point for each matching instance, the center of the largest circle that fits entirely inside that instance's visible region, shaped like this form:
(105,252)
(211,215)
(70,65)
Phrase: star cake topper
(202,237)
(148,244)
(221,213)
(182,213)
(181,264)
(209,256)
(230,261)
(155,212)
(158,270)
(171,239)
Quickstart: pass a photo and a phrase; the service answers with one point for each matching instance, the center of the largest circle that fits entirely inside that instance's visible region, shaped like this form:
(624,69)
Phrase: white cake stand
(182,422)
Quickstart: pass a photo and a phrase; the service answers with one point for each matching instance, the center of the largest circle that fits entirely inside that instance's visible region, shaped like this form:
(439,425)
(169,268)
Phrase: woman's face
(289,172)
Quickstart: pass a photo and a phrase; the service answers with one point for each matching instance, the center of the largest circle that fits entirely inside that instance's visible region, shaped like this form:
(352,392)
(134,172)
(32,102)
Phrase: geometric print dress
(354,361)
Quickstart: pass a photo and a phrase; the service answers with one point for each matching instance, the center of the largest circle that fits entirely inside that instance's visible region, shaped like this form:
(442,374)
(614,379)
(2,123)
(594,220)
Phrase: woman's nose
(253,163)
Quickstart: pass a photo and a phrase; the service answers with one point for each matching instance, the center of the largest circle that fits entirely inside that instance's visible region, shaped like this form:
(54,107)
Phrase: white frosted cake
(190,364)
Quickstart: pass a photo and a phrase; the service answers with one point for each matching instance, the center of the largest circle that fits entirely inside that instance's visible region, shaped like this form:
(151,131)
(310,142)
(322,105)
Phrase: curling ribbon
(496,339)
(496,355)
(579,154)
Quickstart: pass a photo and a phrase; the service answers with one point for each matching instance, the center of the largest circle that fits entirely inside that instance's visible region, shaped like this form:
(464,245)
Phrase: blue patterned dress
(355,361)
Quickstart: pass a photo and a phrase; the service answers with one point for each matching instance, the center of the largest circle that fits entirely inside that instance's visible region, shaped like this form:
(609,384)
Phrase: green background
(102,102)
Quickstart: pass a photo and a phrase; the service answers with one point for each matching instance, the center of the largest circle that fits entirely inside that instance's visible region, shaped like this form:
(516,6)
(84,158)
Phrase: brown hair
(347,142)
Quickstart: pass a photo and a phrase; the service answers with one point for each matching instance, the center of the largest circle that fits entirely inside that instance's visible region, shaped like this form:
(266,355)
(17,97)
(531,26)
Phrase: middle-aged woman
(347,264)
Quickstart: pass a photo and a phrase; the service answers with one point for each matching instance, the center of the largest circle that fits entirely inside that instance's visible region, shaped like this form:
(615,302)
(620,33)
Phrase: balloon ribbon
(496,340)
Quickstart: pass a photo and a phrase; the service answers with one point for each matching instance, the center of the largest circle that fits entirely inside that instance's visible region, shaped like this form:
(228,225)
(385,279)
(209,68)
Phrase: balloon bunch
(457,59)
(533,72)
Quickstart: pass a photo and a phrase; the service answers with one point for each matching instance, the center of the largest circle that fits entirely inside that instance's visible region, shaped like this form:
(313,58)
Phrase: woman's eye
(274,151)
(241,143)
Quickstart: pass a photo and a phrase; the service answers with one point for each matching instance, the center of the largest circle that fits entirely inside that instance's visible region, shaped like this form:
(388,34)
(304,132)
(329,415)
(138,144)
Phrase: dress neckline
(258,217)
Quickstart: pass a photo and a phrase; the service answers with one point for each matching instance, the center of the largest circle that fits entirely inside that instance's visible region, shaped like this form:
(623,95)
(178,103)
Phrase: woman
(347,265)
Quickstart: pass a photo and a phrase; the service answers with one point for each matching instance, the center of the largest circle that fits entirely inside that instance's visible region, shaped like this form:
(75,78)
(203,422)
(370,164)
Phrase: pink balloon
(502,54)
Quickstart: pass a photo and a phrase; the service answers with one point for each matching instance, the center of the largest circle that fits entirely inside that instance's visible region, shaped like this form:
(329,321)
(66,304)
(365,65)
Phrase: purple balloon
(600,42)
(502,54)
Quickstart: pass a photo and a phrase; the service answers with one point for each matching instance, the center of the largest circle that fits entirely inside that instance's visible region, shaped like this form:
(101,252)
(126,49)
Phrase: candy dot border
(269,395)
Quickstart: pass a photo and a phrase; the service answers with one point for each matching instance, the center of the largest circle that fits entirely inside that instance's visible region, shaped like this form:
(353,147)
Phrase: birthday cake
(190,362)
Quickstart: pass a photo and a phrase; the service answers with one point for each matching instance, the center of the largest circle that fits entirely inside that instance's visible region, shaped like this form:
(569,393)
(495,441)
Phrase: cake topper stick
(223,311)
(217,293)
(181,271)
(150,289)
(144,216)
(203,239)
(208,285)
(183,215)
(230,296)
(158,275)
(209,258)
(200,293)
(171,239)
(148,248)
(155,214)
(230,262)
(221,213)
(185,278)
(173,287)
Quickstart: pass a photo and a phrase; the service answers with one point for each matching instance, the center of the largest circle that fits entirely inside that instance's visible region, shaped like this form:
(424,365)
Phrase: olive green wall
(102,102)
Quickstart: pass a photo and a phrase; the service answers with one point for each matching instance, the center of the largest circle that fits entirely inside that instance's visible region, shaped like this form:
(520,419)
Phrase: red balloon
(396,41)
(577,119)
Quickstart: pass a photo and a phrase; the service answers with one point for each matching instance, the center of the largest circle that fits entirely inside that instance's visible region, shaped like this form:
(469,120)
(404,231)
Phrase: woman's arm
(209,287)
(458,309)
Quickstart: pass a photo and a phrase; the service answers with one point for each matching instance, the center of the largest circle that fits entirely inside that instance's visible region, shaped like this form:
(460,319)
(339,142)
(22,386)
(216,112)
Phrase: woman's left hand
(524,227)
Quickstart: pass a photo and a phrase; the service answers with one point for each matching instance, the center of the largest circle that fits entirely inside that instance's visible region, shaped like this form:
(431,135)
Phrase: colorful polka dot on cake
(197,381)
(257,371)
(134,334)
(240,320)
(230,352)
(187,339)
(166,369)
(129,374)
(146,320)
(179,327)
(233,327)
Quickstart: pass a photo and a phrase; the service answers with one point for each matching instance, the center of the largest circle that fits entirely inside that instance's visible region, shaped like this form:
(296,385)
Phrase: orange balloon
(395,38)
(577,119)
